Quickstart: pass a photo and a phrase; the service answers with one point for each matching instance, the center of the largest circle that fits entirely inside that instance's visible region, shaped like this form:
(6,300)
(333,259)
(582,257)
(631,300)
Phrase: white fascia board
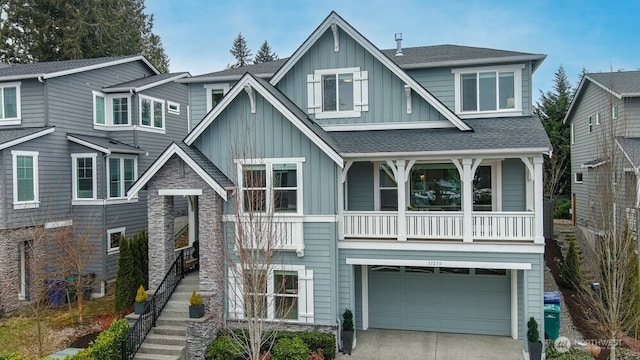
(159,163)
(147,86)
(481,61)
(440,263)
(516,248)
(88,144)
(100,66)
(21,77)
(26,138)
(223,78)
(449,153)
(440,124)
(231,95)
(634,94)
(576,96)
(373,50)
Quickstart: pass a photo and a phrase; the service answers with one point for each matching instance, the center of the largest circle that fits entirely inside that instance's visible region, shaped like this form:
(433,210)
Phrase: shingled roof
(11,137)
(146,82)
(623,83)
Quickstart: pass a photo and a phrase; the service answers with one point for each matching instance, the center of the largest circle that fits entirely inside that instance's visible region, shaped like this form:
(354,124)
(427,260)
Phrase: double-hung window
(122,172)
(84,179)
(151,112)
(282,292)
(10,104)
(488,90)
(271,185)
(113,239)
(111,109)
(214,93)
(25,179)
(338,93)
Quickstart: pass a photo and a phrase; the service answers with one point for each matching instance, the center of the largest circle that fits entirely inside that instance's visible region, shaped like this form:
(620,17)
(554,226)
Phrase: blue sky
(596,35)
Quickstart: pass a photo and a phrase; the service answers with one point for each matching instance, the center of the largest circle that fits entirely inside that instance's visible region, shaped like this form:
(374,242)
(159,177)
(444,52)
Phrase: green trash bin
(551,321)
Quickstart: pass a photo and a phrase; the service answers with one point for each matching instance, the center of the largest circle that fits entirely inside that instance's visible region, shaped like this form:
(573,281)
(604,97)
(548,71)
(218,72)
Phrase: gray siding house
(410,186)
(605,146)
(74,136)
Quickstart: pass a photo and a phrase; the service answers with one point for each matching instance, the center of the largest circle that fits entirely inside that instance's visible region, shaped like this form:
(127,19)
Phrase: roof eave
(147,86)
(22,77)
(450,153)
(26,138)
(100,66)
(224,78)
(506,59)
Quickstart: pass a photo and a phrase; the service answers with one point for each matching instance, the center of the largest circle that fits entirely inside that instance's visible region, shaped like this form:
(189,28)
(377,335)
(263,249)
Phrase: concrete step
(181,312)
(159,349)
(166,340)
(172,321)
(169,330)
(176,305)
(145,356)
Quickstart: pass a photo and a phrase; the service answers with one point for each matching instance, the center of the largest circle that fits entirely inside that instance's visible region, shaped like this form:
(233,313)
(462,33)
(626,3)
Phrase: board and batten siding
(236,133)
(387,99)
(360,187)
(530,282)
(513,185)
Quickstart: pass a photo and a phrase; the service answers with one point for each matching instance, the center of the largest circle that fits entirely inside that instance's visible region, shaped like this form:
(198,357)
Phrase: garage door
(475,301)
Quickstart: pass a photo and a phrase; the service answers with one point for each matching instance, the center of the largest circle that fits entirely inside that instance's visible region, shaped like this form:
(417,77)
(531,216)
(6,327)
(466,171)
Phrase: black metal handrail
(141,327)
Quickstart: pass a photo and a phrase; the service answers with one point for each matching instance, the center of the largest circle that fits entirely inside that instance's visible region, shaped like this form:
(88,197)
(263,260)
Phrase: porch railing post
(467,198)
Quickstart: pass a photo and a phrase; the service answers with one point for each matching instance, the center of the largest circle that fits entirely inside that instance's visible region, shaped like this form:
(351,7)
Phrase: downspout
(5,197)
(105,256)
(46,100)
(133,116)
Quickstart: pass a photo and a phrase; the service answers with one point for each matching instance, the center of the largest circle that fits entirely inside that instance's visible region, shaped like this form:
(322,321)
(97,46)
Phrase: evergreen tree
(240,51)
(551,109)
(571,273)
(50,30)
(265,54)
(126,283)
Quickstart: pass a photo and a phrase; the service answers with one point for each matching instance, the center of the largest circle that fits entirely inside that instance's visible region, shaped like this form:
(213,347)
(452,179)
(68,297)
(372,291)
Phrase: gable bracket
(252,97)
(407,92)
(336,38)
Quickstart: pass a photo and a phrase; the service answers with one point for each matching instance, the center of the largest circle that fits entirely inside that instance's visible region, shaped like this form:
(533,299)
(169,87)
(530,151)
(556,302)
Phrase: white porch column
(467,200)
(342,180)
(538,196)
(402,207)
(514,304)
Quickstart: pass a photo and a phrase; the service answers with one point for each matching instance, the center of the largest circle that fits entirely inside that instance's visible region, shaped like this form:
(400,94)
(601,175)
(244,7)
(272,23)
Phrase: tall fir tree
(265,54)
(551,109)
(240,51)
(50,30)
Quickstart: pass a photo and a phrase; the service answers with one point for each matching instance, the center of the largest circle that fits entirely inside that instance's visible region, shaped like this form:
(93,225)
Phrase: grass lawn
(18,332)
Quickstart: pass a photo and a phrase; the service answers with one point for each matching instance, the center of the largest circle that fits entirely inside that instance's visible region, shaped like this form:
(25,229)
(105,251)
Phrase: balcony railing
(278,233)
(438,225)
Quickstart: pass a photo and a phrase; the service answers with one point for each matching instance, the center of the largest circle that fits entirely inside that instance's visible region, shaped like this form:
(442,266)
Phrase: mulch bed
(84,341)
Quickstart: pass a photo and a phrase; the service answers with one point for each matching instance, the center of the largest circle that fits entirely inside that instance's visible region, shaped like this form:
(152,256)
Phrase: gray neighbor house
(604,119)
(409,182)
(74,135)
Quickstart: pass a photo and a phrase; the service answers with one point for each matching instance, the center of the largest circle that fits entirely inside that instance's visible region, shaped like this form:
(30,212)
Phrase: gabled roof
(262,70)
(631,149)
(146,82)
(53,69)
(196,161)
(287,108)
(12,137)
(334,18)
(104,145)
(595,163)
(489,136)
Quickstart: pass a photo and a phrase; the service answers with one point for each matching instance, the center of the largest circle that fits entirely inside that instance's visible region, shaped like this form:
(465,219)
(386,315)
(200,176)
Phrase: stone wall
(200,333)
(9,271)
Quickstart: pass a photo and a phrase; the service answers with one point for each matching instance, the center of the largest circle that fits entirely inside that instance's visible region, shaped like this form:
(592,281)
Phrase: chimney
(399,43)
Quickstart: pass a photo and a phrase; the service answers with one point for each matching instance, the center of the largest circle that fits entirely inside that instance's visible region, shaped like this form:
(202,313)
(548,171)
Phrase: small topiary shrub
(290,349)
(533,334)
(224,347)
(571,274)
(141,295)
(195,299)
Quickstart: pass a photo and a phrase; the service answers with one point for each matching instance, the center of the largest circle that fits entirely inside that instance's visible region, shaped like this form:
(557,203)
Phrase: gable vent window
(338,93)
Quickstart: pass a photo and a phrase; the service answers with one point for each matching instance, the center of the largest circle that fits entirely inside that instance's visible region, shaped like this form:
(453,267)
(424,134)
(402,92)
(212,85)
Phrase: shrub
(86,354)
(570,274)
(195,299)
(141,295)
(107,344)
(12,356)
(533,334)
(133,270)
(290,349)
(573,354)
(224,347)
(316,355)
(314,340)
(562,209)
(347,320)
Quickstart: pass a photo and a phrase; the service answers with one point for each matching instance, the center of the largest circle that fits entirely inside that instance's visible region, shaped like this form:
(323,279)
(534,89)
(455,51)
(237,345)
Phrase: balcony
(281,233)
(439,225)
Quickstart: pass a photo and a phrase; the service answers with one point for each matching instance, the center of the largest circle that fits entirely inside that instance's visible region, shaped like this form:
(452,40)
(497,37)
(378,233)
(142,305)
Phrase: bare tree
(614,306)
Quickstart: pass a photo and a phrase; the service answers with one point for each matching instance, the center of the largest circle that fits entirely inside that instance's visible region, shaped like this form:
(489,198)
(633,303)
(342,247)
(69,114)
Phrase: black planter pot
(535,351)
(347,341)
(139,308)
(196,311)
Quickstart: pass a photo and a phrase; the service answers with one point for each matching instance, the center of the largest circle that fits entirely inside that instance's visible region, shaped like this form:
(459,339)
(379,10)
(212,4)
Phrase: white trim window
(578,178)
(10,104)
(271,184)
(496,89)
(173,107)
(590,125)
(114,236)
(214,93)
(614,111)
(388,189)
(122,172)
(338,93)
(283,293)
(151,112)
(111,110)
(25,179)
(573,133)
(84,176)
(598,118)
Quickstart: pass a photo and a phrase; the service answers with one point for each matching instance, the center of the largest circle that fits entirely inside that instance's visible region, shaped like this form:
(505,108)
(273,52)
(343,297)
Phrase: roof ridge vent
(399,44)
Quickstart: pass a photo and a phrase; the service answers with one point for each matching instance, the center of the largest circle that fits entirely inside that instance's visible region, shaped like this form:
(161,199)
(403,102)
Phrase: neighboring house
(605,145)
(410,186)
(74,136)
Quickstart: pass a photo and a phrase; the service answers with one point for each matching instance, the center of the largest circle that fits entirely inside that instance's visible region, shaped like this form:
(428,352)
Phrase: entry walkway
(374,344)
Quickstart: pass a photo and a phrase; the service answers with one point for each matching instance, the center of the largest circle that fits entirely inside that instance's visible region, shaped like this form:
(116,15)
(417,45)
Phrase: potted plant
(196,309)
(347,332)
(141,301)
(533,337)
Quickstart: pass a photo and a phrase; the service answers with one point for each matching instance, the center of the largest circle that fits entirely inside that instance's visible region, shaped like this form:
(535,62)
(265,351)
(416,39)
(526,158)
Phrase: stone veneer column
(211,254)
(9,272)
(161,246)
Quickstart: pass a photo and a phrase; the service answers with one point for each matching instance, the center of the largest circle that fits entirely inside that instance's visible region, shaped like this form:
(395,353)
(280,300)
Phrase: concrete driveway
(376,344)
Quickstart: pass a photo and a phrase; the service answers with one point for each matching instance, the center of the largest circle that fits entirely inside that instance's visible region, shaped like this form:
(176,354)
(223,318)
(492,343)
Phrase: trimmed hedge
(290,349)
(314,340)
(107,344)
(224,347)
